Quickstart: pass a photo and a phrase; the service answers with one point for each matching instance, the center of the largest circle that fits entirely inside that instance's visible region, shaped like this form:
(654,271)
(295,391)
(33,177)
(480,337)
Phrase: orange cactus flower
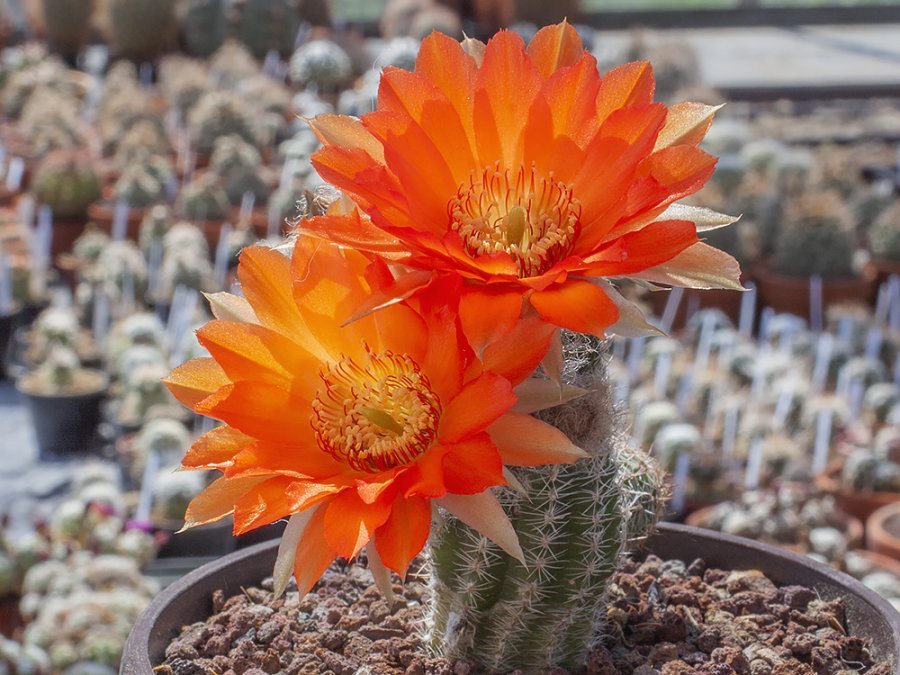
(523,170)
(355,431)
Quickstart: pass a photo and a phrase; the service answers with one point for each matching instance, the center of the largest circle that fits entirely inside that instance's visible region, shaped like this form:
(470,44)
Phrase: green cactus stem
(573,525)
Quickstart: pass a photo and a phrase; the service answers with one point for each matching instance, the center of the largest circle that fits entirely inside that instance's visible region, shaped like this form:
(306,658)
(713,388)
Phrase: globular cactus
(231,64)
(67,24)
(203,199)
(89,245)
(140,187)
(144,137)
(186,238)
(142,328)
(264,25)
(141,30)
(154,226)
(884,235)
(19,659)
(183,268)
(67,183)
(172,492)
(816,238)
(232,153)
(871,469)
(401,52)
(45,75)
(218,114)
(184,82)
(204,25)
(50,122)
(573,525)
(321,63)
(145,396)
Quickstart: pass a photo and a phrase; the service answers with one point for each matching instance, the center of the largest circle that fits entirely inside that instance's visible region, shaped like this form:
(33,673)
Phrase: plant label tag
(120,220)
(816,305)
(671,309)
(15,173)
(822,443)
(824,349)
(680,481)
(661,376)
(748,309)
(754,465)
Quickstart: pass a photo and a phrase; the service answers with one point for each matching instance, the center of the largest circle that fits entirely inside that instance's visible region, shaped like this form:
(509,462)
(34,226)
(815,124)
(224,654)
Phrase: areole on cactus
(378,385)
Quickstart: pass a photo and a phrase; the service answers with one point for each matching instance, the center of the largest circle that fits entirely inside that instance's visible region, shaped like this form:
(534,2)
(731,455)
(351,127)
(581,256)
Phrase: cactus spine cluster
(573,525)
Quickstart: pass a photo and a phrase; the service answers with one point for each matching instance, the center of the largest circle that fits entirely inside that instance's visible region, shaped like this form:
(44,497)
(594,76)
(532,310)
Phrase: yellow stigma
(377,414)
(535,220)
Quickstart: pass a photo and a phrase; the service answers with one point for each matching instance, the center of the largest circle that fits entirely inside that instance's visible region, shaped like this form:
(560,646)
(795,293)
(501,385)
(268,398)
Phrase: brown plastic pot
(858,504)
(103,215)
(791,294)
(884,269)
(883,531)
(189,599)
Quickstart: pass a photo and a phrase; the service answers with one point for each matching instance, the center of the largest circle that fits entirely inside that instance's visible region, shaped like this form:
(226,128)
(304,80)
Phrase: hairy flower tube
(530,175)
(357,431)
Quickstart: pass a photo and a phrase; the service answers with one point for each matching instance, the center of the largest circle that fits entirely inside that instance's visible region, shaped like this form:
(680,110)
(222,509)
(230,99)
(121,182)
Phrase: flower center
(535,220)
(376,415)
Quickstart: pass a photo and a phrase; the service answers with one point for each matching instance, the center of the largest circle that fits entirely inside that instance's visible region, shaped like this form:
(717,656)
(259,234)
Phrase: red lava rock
(667,619)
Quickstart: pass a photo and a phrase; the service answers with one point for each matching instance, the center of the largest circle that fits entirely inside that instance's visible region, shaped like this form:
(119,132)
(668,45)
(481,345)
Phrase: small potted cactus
(141,30)
(204,202)
(67,25)
(67,182)
(64,400)
(884,242)
(141,185)
(321,64)
(267,25)
(218,114)
(817,239)
(865,480)
(239,166)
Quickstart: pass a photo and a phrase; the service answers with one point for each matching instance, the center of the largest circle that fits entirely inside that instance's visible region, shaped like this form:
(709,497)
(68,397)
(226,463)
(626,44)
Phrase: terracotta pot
(189,599)
(7,197)
(103,214)
(883,531)
(858,504)
(791,294)
(853,527)
(884,270)
(65,232)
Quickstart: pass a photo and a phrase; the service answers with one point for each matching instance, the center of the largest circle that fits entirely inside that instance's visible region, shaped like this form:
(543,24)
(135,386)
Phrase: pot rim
(691,540)
(878,520)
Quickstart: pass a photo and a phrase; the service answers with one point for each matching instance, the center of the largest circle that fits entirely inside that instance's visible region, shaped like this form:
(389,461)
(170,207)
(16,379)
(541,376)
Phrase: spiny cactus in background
(50,122)
(401,52)
(120,274)
(47,75)
(321,63)
(141,30)
(884,235)
(418,18)
(231,63)
(204,25)
(61,374)
(674,440)
(172,492)
(90,244)
(816,238)
(145,396)
(67,183)
(239,165)
(272,101)
(143,328)
(145,137)
(184,82)
(182,268)
(218,114)
(203,199)
(19,659)
(871,469)
(573,525)
(154,227)
(167,437)
(880,399)
(67,24)
(264,25)
(139,187)
(187,238)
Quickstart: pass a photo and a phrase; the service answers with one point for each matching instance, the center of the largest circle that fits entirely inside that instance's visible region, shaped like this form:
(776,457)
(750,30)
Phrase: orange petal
(217,500)
(577,305)
(505,87)
(626,85)
(389,294)
(477,405)
(348,132)
(353,231)
(517,354)
(637,251)
(404,533)
(524,440)
(554,47)
(277,498)
(251,352)
(350,522)
(303,459)
(667,175)
(473,465)
(195,380)
(265,276)
(215,449)
(260,410)
(314,555)
(487,313)
(443,62)
(445,359)
(483,513)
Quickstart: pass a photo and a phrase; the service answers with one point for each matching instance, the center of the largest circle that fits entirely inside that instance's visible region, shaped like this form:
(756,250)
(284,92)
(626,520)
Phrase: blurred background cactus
(204,26)
(884,235)
(141,30)
(67,183)
(321,63)
(220,114)
(67,25)
(816,238)
(267,25)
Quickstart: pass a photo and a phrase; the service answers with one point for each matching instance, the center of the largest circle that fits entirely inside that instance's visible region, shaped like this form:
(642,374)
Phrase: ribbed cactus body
(67,24)
(67,185)
(204,26)
(573,525)
(141,29)
(264,25)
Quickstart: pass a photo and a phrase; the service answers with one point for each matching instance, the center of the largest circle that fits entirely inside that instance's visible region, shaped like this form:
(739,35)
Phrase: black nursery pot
(65,426)
(188,600)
